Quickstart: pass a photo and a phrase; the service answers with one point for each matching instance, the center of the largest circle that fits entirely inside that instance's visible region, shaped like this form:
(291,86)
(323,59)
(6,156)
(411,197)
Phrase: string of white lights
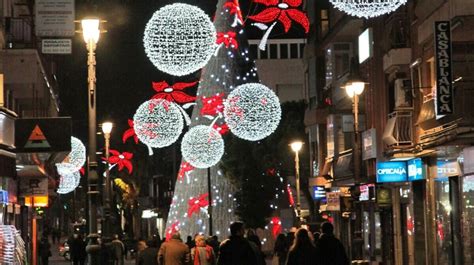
(202,146)
(367,8)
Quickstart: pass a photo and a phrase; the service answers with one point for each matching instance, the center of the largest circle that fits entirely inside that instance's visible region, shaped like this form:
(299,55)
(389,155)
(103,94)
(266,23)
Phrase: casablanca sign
(444,76)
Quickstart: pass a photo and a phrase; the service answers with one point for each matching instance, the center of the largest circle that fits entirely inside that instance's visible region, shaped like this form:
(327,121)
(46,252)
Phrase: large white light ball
(367,8)
(202,146)
(69,180)
(158,123)
(77,156)
(252,111)
(179,39)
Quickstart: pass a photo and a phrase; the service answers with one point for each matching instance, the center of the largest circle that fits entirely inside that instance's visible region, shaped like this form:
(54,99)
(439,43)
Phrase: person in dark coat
(329,249)
(118,251)
(77,250)
(280,250)
(236,250)
(302,252)
(44,250)
(174,252)
(149,256)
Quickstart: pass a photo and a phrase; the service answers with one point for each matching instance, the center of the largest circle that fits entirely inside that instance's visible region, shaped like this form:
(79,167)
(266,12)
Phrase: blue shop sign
(392,171)
(319,192)
(415,169)
(3,197)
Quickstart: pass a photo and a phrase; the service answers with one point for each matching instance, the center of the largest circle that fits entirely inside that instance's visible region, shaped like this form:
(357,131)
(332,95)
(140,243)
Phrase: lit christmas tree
(229,68)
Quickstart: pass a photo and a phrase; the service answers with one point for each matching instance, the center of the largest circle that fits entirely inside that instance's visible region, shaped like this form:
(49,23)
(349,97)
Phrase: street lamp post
(106,230)
(91,33)
(296,147)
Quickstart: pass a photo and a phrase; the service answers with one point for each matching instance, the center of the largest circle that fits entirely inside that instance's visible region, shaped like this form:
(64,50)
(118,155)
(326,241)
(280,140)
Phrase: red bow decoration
(173,93)
(130,133)
(212,105)
(228,39)
(234,9)
(171,230)
(184,168)
(195,204)
(290,196)
(121,160)
(222,129)
(276,229)
(284,12)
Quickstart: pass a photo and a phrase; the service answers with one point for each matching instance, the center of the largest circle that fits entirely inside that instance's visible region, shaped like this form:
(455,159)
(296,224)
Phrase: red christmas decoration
(222,129)
(82,171)
(271,172)
(284,11)
(195,204)
(130,133)
(290,196)
(276,229)
(228,39)
(234,8)
(122,160)
(184,168)
(173,93)
(212,105)
(171,230)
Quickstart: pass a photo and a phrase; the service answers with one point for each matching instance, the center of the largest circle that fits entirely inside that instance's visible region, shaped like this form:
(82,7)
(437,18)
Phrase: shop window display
(443,222)
(467,218)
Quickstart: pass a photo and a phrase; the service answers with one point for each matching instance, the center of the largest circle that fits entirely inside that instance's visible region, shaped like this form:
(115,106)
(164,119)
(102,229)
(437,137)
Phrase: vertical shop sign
(444,78)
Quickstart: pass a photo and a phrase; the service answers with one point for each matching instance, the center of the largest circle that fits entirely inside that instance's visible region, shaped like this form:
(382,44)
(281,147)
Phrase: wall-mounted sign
(3,197)
(444,78)
(415,169)
(369,144)
(384,197)
(392,171)
(33,186)
(333,201)
(54,18)
(365,45)
(318,192)
(446,169)
(468,154)
(367,192)
(149,214)
(56,46)
(43,135)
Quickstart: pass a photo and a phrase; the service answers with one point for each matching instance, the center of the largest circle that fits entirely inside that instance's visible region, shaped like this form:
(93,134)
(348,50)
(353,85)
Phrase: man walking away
(118,250)
(149,256)
(174,252)
(77,249)
(236,250)
(329,249)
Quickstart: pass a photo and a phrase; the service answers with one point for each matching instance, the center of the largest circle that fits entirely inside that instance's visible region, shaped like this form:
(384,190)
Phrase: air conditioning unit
(403,93)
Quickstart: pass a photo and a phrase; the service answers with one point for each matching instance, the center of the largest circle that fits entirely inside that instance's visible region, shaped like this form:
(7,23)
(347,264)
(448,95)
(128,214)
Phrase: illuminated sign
(444,76)
(365,45)
(367,192)
(318,192)
(391,171)
(415,169)
(447,169)
(149,214)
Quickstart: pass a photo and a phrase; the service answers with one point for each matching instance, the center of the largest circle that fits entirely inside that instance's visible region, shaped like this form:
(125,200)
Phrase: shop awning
(427,112)
(343,167)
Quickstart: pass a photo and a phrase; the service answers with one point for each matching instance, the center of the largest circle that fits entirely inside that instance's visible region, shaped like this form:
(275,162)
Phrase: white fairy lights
(367,8)
(252,111)
(77,156)
(158,123)
(202,146)
(179,39)
(69,179)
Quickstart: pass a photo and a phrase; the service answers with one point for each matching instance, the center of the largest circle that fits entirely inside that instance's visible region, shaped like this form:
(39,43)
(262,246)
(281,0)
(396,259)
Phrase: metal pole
(209,208)
(298,200)
(93,247)
(356,150)
(106,233)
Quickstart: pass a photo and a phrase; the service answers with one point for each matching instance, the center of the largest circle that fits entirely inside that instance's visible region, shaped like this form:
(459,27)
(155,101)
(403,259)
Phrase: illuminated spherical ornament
(202,146)
(77,156)
(69,180)
(179,39)
(367,8)
(158,123)
(252,111)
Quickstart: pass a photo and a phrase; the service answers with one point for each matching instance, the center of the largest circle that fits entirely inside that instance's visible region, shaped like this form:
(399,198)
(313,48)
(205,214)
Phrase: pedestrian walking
(329,249)
(149,256)
(174,252)
(141,245)
(118,251)
(256,245)
(302,252)
(236,250)
(202,254)
(77,249)
(44,250)
(280,250)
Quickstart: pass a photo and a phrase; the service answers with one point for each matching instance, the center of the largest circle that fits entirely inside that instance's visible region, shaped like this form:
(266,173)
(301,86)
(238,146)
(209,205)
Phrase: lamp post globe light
(296,147)
(91,34)
(106,233)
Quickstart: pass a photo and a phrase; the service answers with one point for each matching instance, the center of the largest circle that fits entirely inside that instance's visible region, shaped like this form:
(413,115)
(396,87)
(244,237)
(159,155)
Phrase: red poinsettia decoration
(234,9)
(122,160)
(173,93)
(271,171)
(222,129)
(228,39)
(212,105)
(195,204)
(184,168)
(284,11)
(130,133)
(171,230)
(276,223)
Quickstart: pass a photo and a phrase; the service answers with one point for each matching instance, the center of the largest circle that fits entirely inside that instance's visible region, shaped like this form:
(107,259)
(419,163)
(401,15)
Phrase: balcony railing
(398,132)
(19,33)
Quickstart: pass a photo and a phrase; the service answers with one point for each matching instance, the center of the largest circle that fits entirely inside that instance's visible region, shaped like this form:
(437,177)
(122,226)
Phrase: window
(284,51)
(293,50)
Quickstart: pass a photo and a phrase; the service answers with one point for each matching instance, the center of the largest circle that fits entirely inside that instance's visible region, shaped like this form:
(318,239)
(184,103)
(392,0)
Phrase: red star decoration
(228,39)
(122,160)
(234,9)
(284,11)
(171,230)
(130,133)
(212,105)
(195,204)
(184,168)
(173,93)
